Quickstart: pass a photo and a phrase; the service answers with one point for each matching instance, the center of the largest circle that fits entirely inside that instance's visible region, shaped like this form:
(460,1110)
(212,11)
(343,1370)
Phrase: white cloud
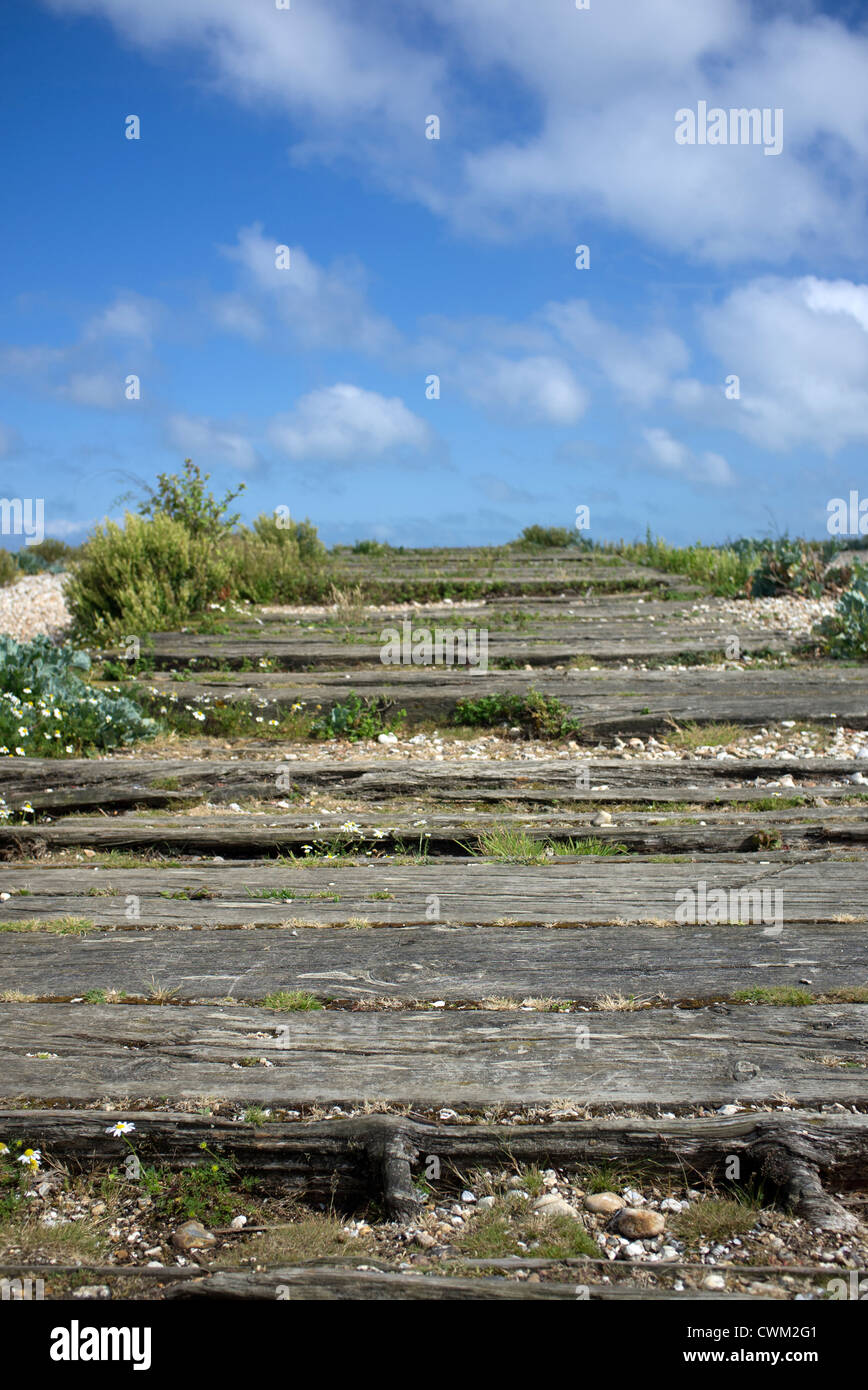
(344,422)
(532,389)
(320,308)
(800,350)
(129,316)
(204,439)
(102,390)
(586,117)
(638,365)
(673,457)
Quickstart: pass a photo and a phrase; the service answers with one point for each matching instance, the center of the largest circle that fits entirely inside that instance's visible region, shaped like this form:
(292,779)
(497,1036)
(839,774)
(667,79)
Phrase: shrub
(357,718)
(277,564)
(845,632)
(46,709)
(537,715)
(9,570)
(788,567)
(184,498)
(49,554)
(370,547)
(555,537)
(144,576)
(724,570)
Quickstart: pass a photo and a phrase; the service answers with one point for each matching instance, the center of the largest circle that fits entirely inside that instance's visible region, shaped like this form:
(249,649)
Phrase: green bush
(788,567)
(185,498)
(47,710)
(357,718)
(147,575)
(845,633)
(277,563)
(370,547)
(537,715)
(554,537)
(9,570)
(724,570)
(50,554)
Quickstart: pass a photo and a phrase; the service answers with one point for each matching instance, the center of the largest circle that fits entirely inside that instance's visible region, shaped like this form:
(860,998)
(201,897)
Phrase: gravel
(33,605)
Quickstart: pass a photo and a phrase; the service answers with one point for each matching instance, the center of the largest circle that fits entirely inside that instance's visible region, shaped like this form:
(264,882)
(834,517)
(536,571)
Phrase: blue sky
(412,257)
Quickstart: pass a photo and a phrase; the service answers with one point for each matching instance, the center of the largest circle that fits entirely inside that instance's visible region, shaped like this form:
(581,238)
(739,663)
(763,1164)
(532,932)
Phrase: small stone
(92,1291)
(387,738)
(638,1224)
(714,1281)
(634,1251)
(192,1236)
(468,1196)
(552,1205)
(602,818)
(238,1223)
(604,1203)
(424,1239)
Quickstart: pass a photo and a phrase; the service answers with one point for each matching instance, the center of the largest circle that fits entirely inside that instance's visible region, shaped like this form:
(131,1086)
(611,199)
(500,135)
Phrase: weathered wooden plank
(328,1285)
(593,641)
(474,891)
(665,1057)
(312,1154)
(251,834)
(55,785)
(825,693)
(684,963)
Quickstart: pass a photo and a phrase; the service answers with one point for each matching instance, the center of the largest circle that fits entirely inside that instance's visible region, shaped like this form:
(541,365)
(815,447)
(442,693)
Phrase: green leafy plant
(537,715)
(370,547)
(144,576)
(845,632)
(47,709)
(9,570)
(788,567)
(185,498)
(551,537)
(358,717)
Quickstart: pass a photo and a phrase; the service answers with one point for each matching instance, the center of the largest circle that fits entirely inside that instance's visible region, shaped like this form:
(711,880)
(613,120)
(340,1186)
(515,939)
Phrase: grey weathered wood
(474,891)
(332,1157)
(121,780)
(254,834)
(665,1057)
(594,641)
(324,1285)
(824,693)
(469,963)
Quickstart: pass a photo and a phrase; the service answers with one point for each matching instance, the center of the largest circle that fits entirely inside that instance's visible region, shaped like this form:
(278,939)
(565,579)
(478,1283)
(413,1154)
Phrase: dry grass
(313,1236)
(714,1219)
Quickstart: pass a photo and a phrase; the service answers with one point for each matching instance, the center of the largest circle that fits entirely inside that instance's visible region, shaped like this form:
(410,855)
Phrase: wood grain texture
(665,1057)
(466,963)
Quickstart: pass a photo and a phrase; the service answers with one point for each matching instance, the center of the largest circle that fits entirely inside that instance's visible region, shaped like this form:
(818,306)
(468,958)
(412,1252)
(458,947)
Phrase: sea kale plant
(47,709)
(845,632)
